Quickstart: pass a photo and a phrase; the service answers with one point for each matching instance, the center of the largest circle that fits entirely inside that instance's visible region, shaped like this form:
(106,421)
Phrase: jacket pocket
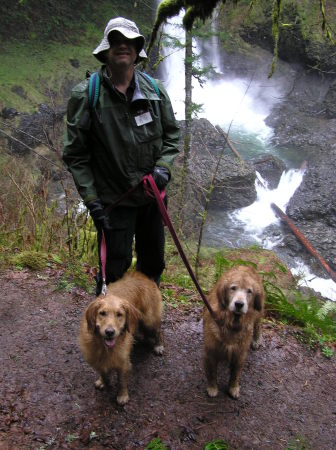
(146,125)
(147,153)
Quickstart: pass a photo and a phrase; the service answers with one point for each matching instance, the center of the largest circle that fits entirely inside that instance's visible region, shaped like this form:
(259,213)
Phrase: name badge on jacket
(142,119)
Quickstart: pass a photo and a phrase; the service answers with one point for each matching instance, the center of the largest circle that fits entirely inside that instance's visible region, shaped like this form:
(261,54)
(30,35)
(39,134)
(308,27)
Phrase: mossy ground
(34,68)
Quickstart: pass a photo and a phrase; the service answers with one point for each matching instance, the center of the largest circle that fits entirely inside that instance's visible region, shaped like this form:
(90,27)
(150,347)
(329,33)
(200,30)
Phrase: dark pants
(145,225)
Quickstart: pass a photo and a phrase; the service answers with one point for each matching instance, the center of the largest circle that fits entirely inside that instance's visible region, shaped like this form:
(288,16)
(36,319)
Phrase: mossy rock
(31,259)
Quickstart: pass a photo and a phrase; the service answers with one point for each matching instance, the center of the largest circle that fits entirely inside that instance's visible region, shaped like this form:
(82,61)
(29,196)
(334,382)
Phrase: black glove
(161,176)
(100,219)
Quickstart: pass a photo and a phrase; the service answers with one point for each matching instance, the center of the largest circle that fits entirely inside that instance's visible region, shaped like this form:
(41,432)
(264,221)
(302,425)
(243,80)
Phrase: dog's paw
(122,399)
(234,392)
(158,350)
(212,391)
(99,384)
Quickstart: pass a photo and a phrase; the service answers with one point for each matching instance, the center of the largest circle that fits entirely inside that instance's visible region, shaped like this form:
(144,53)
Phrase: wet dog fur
(110,323)
(238,301)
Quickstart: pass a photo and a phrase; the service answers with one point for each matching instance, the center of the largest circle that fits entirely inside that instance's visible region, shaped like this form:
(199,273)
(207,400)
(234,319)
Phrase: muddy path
(48,399)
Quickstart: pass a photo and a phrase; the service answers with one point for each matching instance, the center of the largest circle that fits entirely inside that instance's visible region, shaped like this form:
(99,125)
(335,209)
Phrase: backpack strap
(153,82)
(94,87)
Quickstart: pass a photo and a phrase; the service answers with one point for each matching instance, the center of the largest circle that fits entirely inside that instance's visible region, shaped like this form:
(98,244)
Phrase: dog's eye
(119,314)
(233,287)
(102,313)
(249,291)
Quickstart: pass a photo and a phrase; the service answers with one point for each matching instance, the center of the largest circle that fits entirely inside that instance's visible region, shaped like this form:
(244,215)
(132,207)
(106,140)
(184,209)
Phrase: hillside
(302,32)
(46,49)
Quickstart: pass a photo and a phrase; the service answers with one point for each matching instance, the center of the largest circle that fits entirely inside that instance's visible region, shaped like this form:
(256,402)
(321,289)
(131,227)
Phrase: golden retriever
(110,323)
(238,301)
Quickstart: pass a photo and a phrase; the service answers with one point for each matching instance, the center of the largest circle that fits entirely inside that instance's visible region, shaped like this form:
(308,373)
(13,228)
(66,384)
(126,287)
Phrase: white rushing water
(256,217)
(240,106)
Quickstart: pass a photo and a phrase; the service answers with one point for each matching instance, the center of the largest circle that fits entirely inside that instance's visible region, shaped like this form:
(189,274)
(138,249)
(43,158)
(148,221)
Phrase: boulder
(213,163)
(34,129)
(313,206)
(270,168)
(9,113)
(232,187)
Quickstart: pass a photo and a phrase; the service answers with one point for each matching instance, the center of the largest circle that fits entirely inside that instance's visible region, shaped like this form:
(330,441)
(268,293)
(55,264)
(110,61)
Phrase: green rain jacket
(110,148)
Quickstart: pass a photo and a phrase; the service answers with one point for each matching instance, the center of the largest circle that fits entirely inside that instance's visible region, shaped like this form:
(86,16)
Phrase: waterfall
(256,217)
(239,105)
(173,65)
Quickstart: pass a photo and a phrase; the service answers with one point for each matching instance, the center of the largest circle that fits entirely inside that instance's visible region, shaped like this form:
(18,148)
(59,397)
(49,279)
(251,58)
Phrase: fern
(328,308)
(303,311)
(218,444)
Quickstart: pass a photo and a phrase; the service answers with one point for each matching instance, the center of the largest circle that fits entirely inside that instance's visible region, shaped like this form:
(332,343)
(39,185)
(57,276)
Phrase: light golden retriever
(238,301)
(110,323)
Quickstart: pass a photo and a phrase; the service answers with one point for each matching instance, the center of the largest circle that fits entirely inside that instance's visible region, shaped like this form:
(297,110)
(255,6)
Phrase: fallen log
(229,143)
(304,241)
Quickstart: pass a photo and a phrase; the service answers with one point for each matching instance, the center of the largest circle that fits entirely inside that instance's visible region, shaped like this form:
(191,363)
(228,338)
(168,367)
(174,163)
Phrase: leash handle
(150,183)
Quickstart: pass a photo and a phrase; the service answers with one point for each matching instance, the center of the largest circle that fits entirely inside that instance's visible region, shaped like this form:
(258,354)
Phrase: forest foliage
(34,63)
(62,20)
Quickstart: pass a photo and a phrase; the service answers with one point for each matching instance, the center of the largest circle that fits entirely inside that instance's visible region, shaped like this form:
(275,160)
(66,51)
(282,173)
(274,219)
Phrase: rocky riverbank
(305,118)
(304,122)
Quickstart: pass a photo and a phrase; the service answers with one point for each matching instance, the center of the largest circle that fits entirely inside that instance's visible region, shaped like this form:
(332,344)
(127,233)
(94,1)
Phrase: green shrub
(31,259)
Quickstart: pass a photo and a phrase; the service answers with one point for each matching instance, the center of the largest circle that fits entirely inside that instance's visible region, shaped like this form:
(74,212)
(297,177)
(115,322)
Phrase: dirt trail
(48,399)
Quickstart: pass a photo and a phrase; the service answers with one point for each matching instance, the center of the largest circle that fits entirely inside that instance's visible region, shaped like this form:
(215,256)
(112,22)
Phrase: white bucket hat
(125,27)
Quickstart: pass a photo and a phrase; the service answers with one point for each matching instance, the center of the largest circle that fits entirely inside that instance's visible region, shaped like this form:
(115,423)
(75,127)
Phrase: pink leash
(103,262)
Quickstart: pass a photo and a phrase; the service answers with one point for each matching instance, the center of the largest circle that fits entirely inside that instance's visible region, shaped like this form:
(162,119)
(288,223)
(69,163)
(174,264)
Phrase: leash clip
(104,288)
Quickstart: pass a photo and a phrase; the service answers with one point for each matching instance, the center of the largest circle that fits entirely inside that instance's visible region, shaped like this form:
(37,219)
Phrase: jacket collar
(138,83)
(130,90)
(137,95)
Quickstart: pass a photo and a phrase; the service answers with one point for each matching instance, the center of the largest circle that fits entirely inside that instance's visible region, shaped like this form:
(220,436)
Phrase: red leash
(149,182)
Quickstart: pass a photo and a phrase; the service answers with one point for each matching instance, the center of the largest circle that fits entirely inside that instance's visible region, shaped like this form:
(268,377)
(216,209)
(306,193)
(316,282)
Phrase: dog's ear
(222,294)
(258,302)
(126,325)
(91,315)
(126,307)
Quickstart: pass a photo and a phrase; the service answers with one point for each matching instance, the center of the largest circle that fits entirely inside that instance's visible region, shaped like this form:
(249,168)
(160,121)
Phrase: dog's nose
(239,305)
(109,333)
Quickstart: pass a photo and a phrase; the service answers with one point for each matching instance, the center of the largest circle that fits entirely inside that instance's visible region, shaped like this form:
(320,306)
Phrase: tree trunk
(187,114)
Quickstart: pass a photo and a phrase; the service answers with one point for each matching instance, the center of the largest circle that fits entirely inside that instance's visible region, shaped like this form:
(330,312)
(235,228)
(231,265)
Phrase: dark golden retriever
(110,323)
(238,300)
